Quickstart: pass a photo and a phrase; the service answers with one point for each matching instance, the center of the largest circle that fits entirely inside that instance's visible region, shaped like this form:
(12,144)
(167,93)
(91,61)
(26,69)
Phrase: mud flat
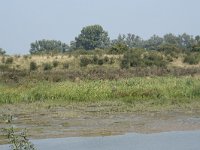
(85,120)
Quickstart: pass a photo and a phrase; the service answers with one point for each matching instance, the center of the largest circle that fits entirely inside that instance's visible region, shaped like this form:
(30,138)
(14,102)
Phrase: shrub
(65,65)
(95,59)
(125,64)
(100,62)
(55,63)
(170,49)
(192,59)
(4,67)
(154,59)
(112,61)
(9,60)
(33,66)
(18,139)
(84,61)
(132,58)
(25,56)
(47,66)
(118,48)
(106,59)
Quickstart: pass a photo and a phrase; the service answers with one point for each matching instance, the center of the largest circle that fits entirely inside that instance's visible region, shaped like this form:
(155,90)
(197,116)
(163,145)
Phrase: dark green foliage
(9,60)
(84,61)
(112,61)
(153,42)
(48,46)
(106,59)
(65,65)
(192,59)
(125,64)
(95,59)
(154,59)
(196,48)
(170,49)
(134,57)
(18,139)
(91,37)
(33,66)
(118,48)
(130,40)
(141,58)
(196,45)
(47,66)
(100,62)
(55,63)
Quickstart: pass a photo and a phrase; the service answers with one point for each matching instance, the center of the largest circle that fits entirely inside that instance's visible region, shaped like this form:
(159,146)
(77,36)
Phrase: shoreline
(66,120)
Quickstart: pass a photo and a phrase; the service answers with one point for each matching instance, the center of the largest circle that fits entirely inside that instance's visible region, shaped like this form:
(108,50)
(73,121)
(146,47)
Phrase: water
(158,141)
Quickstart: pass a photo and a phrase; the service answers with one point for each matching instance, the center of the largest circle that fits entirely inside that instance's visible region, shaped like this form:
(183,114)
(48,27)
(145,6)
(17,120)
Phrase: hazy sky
(24,21)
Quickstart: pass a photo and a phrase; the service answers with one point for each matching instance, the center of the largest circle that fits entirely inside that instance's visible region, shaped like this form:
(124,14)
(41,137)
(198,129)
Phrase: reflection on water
(158,141)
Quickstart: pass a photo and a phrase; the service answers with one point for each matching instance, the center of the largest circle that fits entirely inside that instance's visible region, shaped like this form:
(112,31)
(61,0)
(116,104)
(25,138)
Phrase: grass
(139,91)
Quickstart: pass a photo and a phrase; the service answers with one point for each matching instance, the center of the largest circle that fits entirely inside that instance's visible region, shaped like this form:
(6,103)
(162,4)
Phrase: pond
(182,140)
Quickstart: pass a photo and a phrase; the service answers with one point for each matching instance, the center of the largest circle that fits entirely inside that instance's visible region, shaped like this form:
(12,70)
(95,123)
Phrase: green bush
(33,66)
(9,60)
(132,58)
(106,59)
(47,66)
(65,65)
(100,62)
(84,61)
(142,58)
(55,63)
(192,59)
(124,64)
(118,48)
(153,58)
(95,59)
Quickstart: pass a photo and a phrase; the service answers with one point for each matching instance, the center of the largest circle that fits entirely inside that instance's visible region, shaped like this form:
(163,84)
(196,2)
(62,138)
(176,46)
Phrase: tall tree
(153,43)
(131,40)
(48,46)
(196,45)
(91,37)
(186,41)
(171,39)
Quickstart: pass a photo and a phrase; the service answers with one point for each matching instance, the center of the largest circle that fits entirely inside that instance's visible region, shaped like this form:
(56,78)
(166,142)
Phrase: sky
(25,21)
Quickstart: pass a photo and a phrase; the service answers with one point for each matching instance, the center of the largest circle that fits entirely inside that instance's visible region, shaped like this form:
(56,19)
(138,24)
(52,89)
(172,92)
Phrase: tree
(91,37)
(186,41)
(196,45)
(48,46)
(171,39)
(2,52)
(153,43)
(131,40)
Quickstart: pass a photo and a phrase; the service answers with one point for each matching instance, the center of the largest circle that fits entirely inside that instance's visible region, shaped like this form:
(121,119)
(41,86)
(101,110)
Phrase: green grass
(156,91)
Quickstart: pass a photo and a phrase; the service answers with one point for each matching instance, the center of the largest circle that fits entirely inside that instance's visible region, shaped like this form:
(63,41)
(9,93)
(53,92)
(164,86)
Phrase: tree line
(95,37)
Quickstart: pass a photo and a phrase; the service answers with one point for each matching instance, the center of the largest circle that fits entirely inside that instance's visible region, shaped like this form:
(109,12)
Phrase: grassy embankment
(140,93)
